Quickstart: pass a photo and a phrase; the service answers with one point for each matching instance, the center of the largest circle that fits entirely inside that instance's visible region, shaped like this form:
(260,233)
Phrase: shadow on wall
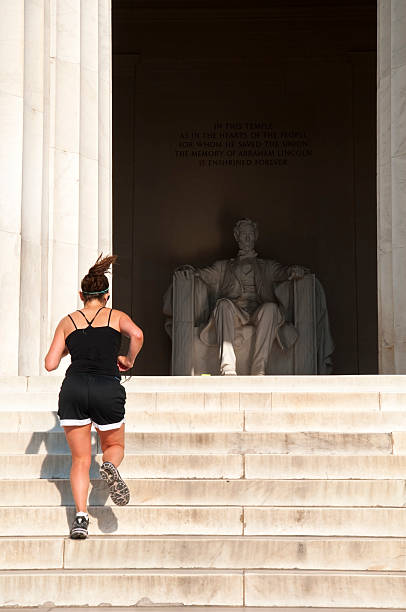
(56,469)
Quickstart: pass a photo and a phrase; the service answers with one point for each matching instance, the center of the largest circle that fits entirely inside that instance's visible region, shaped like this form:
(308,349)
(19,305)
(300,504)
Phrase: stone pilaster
(32,217)
(55,151)
(11,158)
(392,185)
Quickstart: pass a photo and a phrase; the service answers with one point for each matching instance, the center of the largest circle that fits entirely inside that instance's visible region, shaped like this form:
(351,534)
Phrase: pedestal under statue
(248,292)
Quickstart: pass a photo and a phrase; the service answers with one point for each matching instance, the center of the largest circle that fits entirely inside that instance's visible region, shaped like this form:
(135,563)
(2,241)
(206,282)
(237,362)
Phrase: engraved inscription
(243,144)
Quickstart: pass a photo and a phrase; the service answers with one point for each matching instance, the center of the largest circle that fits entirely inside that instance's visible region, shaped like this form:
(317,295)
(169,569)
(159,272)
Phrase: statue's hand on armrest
(297,272)
(185,272)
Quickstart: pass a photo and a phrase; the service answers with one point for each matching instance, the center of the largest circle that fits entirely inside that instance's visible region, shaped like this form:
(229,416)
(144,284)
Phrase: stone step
(121,588)
(27,419)
(134,466)
(324,466)
(236,400)
(41,421)
(185,421)
(38,443)
(240,553)
(31,553)
(130,520)
(205,609)
(209,520)
(203,384)
(203,587)
(329,421)
(221,492)
(306,553)
(321,589)
(322,521)
(152,401)
(269,467)
(217,442)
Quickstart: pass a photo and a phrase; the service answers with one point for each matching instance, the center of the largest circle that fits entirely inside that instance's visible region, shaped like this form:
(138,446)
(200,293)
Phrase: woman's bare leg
(79,441)
(112,443)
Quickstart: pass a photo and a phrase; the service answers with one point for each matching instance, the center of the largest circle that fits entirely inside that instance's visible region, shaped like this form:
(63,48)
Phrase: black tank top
(94,350)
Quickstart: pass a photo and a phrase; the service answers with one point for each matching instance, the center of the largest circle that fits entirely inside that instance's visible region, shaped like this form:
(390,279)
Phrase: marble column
(55,151)
(392,185)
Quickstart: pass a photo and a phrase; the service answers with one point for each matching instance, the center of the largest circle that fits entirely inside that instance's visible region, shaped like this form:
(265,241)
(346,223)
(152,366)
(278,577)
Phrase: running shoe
(79,528)
(119,492)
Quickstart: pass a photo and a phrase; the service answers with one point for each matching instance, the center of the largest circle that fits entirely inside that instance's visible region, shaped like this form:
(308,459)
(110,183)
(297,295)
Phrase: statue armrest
(190,294)
(287,292)
(182,324)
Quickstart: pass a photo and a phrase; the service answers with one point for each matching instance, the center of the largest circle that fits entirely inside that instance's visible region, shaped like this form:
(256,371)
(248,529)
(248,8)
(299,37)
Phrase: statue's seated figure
(248,300)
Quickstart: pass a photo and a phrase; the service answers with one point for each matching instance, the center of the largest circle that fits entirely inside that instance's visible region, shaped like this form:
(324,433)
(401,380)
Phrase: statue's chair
(191,308)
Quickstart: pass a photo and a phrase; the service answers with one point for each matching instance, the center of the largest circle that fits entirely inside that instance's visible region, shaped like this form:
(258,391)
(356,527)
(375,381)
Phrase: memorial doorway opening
(223,110)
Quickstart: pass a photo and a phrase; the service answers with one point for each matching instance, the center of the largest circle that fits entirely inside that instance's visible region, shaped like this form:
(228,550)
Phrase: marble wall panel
(32,187)
(12,47)
(398,38)
(11,150)
(67,106)
(10,251)
(30,307)
(11,145)
(391,185)
(89,34)
(88,213)
(105,127)
(399,294)
(400,363)
(68,30)
(89,123)
(398,109)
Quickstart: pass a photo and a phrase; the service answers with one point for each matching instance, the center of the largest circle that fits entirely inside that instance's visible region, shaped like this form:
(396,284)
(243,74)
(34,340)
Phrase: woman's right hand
(124,363)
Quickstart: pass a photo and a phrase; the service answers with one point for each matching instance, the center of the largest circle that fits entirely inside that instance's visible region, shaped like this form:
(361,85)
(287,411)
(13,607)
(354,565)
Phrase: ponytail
(95,283)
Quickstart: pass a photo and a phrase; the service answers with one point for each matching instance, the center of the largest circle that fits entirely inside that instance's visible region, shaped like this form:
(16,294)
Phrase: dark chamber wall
(191,87)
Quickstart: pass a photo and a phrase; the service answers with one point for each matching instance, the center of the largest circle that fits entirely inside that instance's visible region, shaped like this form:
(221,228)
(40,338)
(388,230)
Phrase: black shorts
(85,398)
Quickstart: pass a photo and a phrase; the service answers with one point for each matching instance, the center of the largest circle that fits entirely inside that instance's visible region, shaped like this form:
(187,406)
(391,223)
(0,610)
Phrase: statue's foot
(257,373)
(229,373)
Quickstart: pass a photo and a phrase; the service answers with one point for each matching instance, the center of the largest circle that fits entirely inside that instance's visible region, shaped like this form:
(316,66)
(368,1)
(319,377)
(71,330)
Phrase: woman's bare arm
(132,331)
(58,349)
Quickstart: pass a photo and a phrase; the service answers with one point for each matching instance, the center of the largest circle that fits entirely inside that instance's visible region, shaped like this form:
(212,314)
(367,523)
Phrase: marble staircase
(246,493)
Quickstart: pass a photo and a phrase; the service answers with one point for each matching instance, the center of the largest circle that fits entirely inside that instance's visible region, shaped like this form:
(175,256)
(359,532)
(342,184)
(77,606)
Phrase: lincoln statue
(245,290)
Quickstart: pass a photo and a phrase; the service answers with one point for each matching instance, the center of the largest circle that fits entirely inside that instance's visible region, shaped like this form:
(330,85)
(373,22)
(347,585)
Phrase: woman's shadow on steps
(56,468)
